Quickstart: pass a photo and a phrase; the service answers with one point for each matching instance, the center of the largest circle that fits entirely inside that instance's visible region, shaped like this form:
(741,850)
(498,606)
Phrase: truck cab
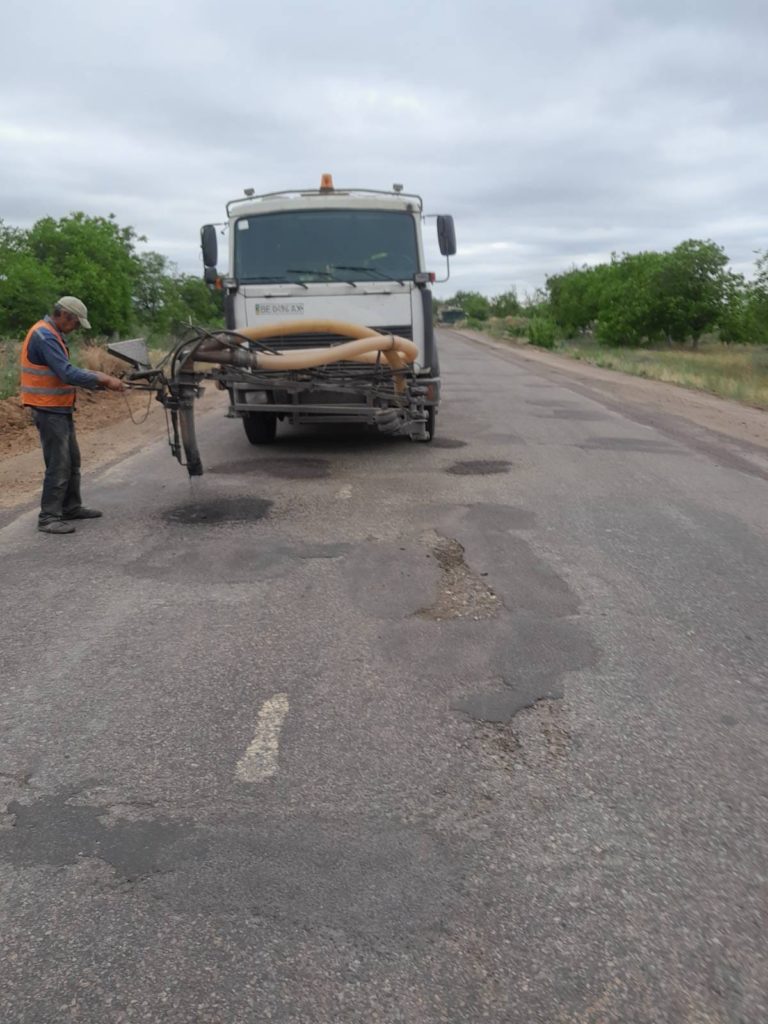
(304,267)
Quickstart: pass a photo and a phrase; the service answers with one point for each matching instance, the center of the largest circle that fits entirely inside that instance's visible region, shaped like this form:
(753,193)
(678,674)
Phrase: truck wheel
(260,427)
(430,424)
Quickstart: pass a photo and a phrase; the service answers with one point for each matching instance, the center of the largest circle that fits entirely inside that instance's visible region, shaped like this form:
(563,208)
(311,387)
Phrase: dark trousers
(61,487)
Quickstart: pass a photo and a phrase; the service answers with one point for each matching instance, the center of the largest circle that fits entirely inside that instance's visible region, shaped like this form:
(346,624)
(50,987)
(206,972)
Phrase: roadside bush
(741,324)
(542,331)
(506,304)
(474,304)
(516,326)
(9,368)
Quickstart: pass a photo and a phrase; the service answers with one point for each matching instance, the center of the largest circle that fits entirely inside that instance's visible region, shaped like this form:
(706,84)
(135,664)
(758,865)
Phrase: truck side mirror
(446,235)
(209,244)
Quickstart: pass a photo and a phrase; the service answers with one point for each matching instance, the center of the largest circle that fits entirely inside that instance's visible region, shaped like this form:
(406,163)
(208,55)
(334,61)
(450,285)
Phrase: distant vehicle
(451,315)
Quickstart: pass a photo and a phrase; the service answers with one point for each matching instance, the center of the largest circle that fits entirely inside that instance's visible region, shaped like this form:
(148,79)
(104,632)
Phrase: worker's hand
(112,383)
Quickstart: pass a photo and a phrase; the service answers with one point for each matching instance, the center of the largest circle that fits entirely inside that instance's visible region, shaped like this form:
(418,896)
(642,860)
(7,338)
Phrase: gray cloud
(556,132)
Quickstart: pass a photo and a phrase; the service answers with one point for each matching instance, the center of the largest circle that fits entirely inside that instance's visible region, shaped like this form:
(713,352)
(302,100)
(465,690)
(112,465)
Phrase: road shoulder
(103,440)
(704,420)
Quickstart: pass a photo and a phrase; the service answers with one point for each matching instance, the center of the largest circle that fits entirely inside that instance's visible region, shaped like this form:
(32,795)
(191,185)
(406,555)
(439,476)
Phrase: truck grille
(311,340)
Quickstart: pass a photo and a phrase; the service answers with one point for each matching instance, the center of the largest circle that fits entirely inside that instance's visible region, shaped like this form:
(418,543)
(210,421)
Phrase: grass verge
(728,371)
(9,368)
(737,372)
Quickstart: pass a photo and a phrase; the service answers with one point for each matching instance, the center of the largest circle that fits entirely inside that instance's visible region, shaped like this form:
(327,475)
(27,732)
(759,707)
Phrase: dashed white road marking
(345,491)
(259,762)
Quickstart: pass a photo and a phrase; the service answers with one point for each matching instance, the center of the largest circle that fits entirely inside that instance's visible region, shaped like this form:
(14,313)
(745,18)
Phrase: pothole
(480,467)
(462,594)
(538,738)
(218,512)
(448,442)
(500,742)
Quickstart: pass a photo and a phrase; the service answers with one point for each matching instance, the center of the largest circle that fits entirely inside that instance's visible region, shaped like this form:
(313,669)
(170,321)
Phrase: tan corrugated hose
(366,345)
(363,348)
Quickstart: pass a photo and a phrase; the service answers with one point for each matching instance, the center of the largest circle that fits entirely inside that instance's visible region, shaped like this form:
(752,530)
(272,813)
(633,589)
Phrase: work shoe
(55,526)
(83,513)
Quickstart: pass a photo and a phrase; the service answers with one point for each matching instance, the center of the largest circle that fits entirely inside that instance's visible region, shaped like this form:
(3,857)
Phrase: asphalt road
(358,730)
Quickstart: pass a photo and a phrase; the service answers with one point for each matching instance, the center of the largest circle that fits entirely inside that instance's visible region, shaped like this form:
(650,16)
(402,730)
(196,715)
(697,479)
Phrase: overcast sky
(555,131)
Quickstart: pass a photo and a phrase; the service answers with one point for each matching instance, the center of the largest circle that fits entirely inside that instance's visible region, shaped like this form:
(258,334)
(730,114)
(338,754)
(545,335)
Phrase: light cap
(76,308)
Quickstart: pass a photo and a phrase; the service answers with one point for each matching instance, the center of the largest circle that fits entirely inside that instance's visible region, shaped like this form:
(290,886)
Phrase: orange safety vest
(40,387)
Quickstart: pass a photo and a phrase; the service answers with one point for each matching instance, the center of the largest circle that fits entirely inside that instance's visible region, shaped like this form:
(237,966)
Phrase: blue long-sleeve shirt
(45,350)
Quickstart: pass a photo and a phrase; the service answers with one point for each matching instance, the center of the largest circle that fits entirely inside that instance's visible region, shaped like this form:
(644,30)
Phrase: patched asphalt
(521,774)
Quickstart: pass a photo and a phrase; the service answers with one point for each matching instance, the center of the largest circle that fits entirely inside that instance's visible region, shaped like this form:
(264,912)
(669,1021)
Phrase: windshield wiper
(309,270)
(325,273)
(270,278)
(277,279)
(368,270)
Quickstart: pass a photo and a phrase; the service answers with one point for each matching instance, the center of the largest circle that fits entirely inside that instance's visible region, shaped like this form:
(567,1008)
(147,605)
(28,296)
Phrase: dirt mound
(94,409)
(109,426)
(17,432)
(93,357)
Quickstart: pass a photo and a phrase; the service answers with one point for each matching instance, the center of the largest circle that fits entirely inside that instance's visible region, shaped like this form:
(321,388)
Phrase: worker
(48,382)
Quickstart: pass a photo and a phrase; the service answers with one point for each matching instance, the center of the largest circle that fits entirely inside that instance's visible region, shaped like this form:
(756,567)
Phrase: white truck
(313,268)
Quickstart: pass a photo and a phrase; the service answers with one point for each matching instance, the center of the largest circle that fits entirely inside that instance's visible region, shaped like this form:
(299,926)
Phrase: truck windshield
(326,245)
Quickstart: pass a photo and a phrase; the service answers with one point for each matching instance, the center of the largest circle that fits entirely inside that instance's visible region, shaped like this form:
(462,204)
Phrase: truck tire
(260,427)
(431,422)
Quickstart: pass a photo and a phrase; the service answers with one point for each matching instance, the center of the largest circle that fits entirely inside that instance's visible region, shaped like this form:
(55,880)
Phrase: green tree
(12,240)
(93,258)
(28,289)
(575,296)
(164,299)
(692,290)
(628,311)
(745,319)
(96,259)
(758,301)
(150,291)
(202,304)
(474,304)
(506,304)
(645,297)
(537,303)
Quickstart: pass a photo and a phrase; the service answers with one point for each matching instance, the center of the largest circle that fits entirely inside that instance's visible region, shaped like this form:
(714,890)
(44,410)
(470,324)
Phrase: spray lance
(242,355)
